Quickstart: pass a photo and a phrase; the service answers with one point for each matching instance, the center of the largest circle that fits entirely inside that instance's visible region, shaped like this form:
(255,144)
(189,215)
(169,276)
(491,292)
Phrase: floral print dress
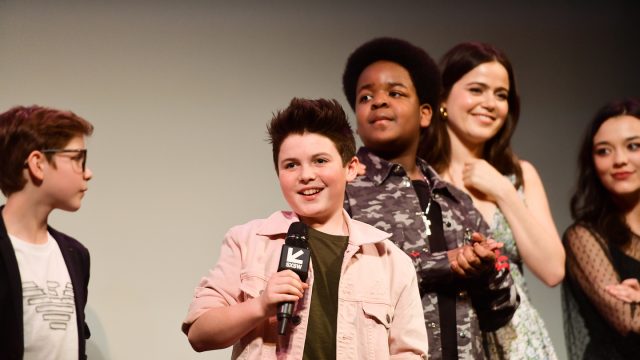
(525,336)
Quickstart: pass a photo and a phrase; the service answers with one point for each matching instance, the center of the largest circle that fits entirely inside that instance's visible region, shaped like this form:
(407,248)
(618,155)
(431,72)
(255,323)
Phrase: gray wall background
(180,94)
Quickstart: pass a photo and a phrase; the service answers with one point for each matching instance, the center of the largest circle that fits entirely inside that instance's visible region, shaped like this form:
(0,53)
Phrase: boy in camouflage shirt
(393,87)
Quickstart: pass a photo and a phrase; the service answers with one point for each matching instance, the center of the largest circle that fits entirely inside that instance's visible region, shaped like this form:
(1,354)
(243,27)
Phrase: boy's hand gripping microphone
(295,256)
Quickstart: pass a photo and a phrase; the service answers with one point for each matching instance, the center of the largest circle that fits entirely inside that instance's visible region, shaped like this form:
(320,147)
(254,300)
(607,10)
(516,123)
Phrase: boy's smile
(388,110)
(311,192)
(313,179)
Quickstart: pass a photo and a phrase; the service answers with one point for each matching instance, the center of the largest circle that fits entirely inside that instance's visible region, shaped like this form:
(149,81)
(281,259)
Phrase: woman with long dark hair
(601,293)
(469,145)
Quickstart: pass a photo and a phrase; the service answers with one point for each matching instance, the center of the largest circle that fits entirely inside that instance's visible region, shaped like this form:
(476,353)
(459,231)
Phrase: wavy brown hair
(435,147)
(591,203)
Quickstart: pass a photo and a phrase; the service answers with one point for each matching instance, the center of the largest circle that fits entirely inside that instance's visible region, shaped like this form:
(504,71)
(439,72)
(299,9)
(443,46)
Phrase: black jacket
(76,257)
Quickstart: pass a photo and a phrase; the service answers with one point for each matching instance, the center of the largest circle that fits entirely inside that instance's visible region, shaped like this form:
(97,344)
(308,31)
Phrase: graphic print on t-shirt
(55,303)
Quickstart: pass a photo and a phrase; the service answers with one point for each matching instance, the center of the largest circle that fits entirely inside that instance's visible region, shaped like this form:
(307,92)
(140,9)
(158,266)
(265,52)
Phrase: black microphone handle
(296,240)
(285,309)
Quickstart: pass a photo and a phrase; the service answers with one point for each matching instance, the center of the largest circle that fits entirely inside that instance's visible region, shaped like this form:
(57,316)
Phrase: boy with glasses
(44,273)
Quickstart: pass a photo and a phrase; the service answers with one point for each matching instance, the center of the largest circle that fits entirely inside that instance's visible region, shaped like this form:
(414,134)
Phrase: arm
(470,260)
(628,290)
(489,285)
(494,298)
(227,305)
(223,326)
(589,265)
(474,259)
(491,291)
(532,224)
(433,269)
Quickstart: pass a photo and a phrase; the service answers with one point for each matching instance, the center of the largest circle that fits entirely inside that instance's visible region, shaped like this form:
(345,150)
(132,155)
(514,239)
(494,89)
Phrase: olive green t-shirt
(327,252)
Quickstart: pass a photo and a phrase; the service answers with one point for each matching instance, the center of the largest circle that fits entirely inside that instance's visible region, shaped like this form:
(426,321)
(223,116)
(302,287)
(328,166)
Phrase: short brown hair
(321,116)
(25,129)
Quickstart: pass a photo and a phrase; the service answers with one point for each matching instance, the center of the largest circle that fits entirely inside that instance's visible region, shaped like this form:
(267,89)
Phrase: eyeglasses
(80,159)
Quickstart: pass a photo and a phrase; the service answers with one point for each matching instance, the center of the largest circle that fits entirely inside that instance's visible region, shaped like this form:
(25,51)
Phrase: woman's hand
(628,290)
(483,180)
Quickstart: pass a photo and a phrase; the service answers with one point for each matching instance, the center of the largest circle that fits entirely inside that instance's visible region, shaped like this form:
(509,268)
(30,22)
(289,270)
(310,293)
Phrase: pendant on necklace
(427,222)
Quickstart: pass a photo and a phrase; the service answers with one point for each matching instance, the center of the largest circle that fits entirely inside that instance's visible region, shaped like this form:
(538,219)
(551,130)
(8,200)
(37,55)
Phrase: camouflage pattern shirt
(385,198)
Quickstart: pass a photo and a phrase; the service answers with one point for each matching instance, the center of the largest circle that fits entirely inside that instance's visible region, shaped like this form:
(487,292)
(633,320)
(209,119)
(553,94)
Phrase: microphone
(295,256)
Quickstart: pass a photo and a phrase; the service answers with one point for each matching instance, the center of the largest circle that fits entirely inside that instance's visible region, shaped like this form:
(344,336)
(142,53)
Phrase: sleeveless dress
(525,336)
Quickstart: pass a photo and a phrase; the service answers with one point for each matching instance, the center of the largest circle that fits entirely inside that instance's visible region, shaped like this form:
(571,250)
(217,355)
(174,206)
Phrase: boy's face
(313,179)
(388,110)
(63,180)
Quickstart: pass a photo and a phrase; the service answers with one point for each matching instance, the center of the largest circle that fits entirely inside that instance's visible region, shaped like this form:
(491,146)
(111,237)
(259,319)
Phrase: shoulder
(247,226)
(362,234)
(397,254)
(458,194)
(360,182)
(278,221)
(246,231)
(529,173)
(274,226)
(391,257)
(68,242)
(581,233)
(532,183)
(366,235)
(439,184)
(457,200)
(584,244)
(580,228)
(526,166)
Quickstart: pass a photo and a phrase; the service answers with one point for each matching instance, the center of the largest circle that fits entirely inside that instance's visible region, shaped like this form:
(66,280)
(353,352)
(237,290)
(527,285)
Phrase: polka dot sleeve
(589,263)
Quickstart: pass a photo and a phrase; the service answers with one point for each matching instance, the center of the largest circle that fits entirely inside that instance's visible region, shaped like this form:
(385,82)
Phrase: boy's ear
(426,112)
(35,165)
(352,168)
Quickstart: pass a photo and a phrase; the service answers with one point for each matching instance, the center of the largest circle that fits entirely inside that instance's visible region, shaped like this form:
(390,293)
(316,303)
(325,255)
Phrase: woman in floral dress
(470,146)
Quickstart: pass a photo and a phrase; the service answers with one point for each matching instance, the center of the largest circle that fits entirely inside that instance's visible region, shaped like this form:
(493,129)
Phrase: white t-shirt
(49,312)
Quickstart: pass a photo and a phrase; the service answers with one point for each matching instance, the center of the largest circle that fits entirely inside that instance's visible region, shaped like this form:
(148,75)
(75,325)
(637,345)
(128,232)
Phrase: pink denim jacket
(379,306)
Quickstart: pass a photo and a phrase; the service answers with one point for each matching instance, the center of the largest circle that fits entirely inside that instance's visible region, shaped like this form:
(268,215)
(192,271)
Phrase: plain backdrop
(180,92)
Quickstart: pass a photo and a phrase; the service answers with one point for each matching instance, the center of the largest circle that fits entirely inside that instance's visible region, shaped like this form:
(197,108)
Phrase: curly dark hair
(420,66)
(321,116)
(591,203)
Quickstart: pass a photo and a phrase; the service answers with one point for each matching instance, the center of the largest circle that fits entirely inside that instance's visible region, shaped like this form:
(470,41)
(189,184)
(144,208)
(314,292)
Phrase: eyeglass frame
(81,151)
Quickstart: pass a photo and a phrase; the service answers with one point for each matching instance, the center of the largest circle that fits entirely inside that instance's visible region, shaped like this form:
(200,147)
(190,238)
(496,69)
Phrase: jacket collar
(360,233)
(379,170)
